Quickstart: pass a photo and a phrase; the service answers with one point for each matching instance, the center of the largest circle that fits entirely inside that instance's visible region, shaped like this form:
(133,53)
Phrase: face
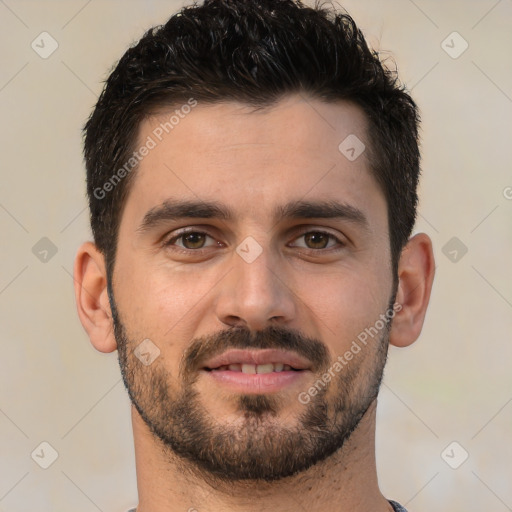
(253,258)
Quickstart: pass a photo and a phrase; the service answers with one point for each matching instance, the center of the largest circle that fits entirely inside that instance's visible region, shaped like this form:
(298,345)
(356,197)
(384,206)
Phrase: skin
(251,162)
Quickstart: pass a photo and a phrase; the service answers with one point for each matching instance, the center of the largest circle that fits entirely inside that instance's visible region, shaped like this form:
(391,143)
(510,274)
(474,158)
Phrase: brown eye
(190,240)
(193,240)
(316,240)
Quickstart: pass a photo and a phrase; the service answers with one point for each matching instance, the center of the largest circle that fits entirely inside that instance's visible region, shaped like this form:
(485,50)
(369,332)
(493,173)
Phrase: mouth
(255,368)
(257,361)
(257,371)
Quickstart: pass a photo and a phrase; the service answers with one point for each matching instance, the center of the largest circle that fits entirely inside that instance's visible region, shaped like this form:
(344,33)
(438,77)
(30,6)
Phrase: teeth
(248,368)
(265,368)
(255,368)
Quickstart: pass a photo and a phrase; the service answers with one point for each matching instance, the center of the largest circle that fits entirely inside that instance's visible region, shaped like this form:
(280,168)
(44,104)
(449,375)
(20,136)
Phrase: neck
(347,480)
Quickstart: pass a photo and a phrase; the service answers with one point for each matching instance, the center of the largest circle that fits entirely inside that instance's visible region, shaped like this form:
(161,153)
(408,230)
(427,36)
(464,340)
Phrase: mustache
(276,337)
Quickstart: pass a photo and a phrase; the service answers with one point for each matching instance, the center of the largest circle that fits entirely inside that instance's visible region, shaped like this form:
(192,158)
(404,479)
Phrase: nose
(256,294)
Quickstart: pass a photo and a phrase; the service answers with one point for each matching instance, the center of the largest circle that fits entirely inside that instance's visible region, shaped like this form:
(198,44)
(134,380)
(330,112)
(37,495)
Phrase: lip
(256,382)
(258,356)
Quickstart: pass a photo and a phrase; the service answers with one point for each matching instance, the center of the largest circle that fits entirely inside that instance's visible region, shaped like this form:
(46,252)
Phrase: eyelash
(170,242)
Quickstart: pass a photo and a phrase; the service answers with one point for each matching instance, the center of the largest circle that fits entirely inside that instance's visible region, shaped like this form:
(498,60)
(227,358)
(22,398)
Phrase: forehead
(254,160)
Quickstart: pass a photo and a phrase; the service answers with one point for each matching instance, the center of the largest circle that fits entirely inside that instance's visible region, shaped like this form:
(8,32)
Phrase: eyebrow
(174,209)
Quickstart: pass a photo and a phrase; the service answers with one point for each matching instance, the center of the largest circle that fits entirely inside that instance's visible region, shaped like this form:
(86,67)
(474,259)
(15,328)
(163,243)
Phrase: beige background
(454,384)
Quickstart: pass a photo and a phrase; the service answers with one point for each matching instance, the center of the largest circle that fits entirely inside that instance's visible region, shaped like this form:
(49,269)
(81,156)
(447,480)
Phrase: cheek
(149,303)
(167,306)
(344,305)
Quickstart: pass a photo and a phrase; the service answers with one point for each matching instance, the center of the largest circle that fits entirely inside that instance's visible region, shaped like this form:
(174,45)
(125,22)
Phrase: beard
(258,446)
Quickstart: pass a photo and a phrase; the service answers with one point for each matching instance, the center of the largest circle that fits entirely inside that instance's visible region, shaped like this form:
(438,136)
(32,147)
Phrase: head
(251,172)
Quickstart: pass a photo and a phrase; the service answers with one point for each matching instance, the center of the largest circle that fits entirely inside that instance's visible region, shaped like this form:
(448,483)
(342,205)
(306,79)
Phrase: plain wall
(453,384)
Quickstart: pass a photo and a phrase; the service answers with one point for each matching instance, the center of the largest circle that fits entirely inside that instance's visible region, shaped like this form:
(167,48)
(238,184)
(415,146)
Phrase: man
(251,172)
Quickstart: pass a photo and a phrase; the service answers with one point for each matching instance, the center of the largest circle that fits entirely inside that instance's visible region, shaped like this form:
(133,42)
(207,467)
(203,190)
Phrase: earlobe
(416,274)
(92,297)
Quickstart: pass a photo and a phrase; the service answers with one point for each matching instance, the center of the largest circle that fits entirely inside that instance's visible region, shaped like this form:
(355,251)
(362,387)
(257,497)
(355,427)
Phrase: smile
(255,368)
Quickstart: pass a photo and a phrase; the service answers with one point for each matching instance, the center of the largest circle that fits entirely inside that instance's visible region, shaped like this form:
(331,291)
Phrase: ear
(92,297)
(416,274)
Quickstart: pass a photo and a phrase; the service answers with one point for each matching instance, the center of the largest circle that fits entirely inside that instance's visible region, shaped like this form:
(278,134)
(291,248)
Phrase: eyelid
(312,229)
(167,242)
